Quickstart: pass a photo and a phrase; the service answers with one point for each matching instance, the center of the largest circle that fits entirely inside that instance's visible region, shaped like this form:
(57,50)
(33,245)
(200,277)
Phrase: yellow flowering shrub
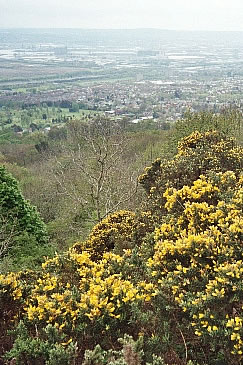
(198,154)
(73,293)
(114,231)
(198,253)
(171,274)
(100,289)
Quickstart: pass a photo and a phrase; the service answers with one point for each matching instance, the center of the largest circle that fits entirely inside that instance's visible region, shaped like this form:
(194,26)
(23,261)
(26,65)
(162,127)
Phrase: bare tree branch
(92,172)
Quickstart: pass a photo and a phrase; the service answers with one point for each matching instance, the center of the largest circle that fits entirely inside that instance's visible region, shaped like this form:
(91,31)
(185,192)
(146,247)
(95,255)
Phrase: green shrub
(23,235)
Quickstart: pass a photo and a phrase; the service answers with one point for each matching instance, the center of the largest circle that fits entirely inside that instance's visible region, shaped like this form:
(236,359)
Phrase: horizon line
(122,29)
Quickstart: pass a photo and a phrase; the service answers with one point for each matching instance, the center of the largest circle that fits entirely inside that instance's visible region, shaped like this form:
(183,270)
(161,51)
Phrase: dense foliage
(166,282)
(198,154)
(22,231)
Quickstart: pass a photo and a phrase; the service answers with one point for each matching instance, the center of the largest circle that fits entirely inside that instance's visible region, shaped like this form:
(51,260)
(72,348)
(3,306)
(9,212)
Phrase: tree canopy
(21,225)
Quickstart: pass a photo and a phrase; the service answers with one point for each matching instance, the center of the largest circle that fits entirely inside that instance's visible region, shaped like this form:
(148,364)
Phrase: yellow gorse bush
(114,230)
(199,251)
(100,289)
(172,273)
(12,285)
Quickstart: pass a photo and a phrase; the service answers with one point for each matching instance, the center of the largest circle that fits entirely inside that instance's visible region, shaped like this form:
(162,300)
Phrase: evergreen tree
(21,228)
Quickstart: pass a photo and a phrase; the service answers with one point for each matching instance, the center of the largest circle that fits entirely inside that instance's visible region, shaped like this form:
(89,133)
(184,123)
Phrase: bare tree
(92,170)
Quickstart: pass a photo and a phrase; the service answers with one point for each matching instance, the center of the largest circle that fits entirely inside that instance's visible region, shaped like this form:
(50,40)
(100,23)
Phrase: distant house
(110,112)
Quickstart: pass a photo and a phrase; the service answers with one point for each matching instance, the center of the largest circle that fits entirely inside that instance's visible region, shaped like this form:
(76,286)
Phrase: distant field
(12,70)
(40,116)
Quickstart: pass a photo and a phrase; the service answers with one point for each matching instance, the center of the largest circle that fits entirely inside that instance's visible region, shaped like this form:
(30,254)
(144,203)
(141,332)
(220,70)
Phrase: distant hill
(106,37)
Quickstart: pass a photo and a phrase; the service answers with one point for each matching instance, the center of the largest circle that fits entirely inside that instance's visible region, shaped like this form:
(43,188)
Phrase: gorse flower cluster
(198,154)
(199,250)
(73,292)
(113,232)
(171,275)
(97,290)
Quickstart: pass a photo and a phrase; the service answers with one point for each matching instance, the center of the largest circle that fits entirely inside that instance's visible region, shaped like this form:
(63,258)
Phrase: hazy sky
(164,14)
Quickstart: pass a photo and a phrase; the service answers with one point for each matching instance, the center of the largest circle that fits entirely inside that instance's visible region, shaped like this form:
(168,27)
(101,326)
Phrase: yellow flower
(66,343)
(235,336)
